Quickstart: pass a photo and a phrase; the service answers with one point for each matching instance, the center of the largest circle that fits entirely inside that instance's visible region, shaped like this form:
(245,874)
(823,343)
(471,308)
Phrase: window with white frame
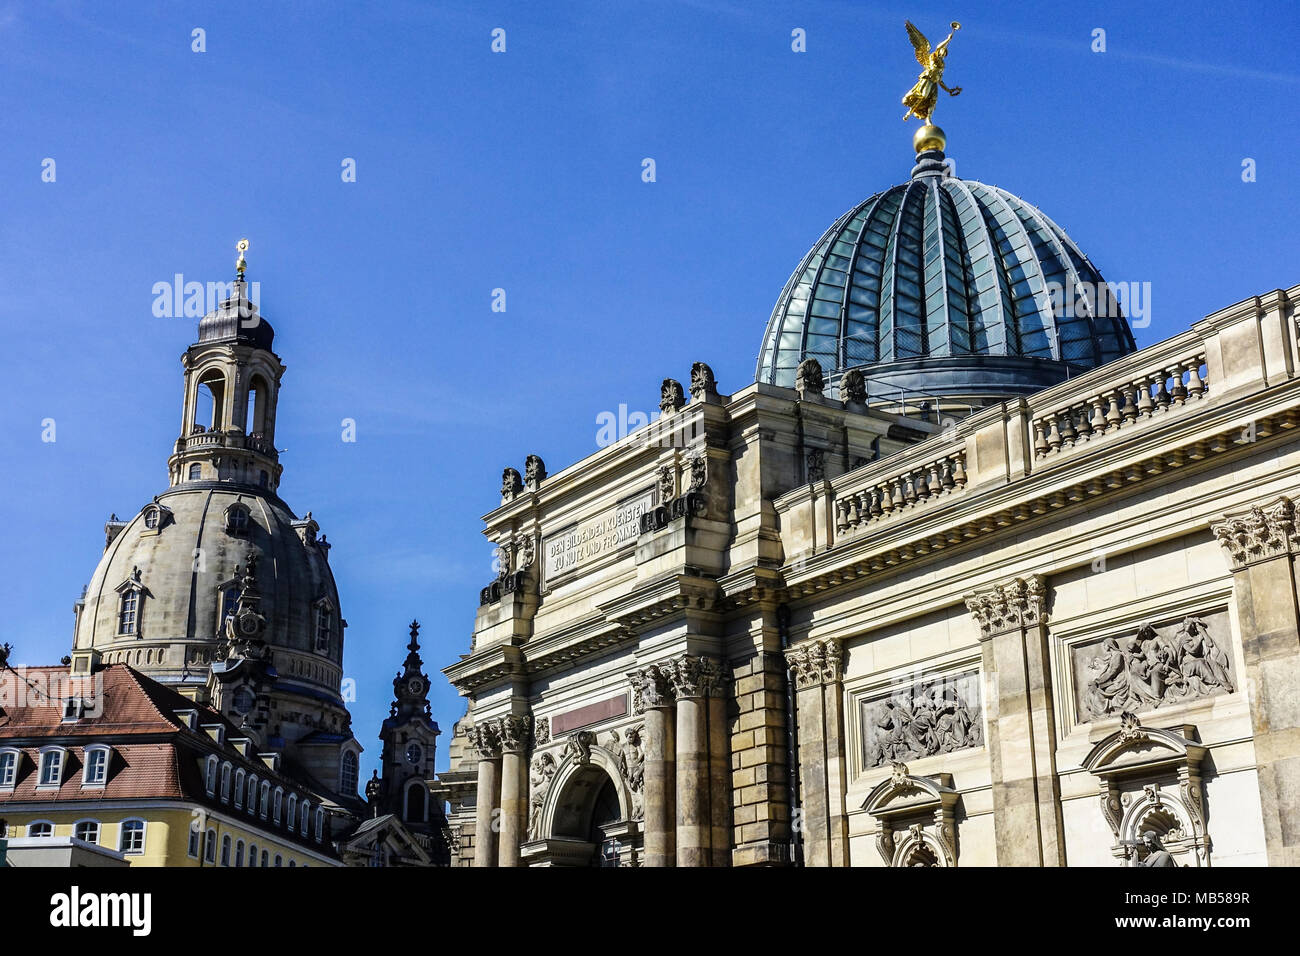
(306,817)
(210,846)
(225,783)
(239,853)
(87,830)
(211,776)
(293,812)
(265,807)
(279,860)
(9,768)
(252,793)
(265,858)
(252,854)
(132,836)
(96,770)
(74,708)
(40,828)
(51,773)
(128,615)
(196,836)
(320,824)
(239,789)
(279,801)
(225,850)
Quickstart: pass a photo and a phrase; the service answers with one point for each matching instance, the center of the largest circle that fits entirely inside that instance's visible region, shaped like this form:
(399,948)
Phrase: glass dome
(944,287)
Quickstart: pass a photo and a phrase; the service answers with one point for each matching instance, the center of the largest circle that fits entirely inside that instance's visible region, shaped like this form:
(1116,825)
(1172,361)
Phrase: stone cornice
(1260,533)
(814,663)
(678,592)
(495,663)
(1017,604)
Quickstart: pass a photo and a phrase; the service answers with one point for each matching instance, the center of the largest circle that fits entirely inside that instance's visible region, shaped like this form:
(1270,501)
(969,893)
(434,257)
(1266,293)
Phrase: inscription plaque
(579,544)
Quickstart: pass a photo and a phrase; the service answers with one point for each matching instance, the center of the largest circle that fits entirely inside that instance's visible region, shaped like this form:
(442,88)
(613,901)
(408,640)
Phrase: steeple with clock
(410,739)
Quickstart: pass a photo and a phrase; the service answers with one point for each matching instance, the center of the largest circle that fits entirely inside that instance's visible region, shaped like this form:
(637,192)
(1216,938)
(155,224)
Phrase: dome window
(155,517)
(131,593)
(196,471)
(324,626)
(151,518)
(237,519)
(263,478)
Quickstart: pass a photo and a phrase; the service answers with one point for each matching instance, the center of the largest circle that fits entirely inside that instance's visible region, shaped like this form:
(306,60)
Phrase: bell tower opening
(209,402)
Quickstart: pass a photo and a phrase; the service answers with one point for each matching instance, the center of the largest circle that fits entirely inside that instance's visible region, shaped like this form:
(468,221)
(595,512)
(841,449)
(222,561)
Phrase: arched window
(151,518)
(417,802)
(266,799)
(40,828)
(252,854)
(239,789)
(265,858)
(292,863)
(210,846)
(252,793)
(225,850)
(196,471)
(211,777)
(95,773)
(279,860)
(87,830)
(210,399)
(225,783)
(348,774)
(9,768)
(237,520)
(255,412)
(324,627)
(320,824)
(131,839)
(279,801)
(239,853)
(195,837)
(306,817)
(51,774)
(293,811)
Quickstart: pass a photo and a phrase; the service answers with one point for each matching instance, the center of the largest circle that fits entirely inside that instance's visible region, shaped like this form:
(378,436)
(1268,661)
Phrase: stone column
(1262,548)
(719,776)
(485,737)
(1021,728)
(694,680)
(823,772)
(654,688)
(515,734)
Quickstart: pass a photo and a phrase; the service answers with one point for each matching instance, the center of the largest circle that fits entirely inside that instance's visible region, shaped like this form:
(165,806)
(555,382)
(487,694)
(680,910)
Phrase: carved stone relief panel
(1153,666)
(934,714)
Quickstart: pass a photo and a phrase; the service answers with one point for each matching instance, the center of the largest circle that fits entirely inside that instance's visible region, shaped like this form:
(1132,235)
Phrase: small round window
(151,518)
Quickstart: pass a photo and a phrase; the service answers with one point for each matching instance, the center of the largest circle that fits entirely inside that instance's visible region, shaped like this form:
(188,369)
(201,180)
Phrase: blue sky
(522,171)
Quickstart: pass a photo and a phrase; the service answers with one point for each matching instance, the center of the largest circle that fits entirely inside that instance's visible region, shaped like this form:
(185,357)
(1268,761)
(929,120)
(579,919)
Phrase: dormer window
(320,824)
(225,783)
(210,777)
(279,802)
(237,520)
(95,773)
(306,817)
(324,626)
(131,593)
(239,789)
(9,768)
(151,518)
(51,768)
(74,708)
(292,818)
(155,517)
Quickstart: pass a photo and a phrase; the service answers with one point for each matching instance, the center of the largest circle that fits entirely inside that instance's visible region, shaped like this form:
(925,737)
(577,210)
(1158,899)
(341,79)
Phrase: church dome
(181,558)
(944,288)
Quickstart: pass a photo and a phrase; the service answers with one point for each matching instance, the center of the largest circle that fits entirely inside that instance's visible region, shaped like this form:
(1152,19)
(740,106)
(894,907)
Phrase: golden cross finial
(241,264)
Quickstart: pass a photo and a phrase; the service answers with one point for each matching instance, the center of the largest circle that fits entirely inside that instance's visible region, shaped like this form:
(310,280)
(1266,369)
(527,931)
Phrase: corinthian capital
(1258,534)
(814,663)
(1016,604)
(515,732)
(652,686)
(485,737)
(694,676)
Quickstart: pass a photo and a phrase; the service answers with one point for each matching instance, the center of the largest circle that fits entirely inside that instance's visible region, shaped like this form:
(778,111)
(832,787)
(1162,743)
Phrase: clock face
(414,753)
(243,701)
(415,686)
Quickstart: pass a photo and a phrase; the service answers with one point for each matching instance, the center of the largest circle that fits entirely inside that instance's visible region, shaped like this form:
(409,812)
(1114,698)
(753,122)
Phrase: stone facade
(780,626)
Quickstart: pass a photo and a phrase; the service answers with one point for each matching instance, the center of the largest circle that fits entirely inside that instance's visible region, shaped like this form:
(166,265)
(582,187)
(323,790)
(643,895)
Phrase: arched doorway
(584,818)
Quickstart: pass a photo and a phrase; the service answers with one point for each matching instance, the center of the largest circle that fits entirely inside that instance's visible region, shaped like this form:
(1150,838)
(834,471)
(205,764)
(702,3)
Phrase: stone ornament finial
(1017,604)
(695,676)
(704,387)
(853,387)
(814,663)
(534,472)
(1259,534)
(511,485)
(671,396)
(809,378)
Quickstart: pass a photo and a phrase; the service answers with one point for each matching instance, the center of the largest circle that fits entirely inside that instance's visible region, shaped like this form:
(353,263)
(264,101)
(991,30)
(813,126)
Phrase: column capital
(516,732)
(1259,533)
(651,687)
(485,737)
(814,663)
(1018,603)
(694,676)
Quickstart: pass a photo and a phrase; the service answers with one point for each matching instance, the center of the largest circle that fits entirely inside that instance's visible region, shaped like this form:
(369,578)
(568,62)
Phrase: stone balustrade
(908,485)
(1098,410)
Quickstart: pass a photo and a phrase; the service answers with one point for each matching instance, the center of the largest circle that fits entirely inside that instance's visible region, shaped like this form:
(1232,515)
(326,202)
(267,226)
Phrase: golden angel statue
(921,98)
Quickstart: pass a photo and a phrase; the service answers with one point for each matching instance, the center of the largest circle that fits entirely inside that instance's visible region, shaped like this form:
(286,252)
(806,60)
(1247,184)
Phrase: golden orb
(929,137)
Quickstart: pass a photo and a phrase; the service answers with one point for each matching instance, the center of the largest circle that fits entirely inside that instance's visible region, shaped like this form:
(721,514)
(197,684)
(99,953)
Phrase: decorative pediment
(903,793)
(1135,748)
(133,582)
(917,818)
